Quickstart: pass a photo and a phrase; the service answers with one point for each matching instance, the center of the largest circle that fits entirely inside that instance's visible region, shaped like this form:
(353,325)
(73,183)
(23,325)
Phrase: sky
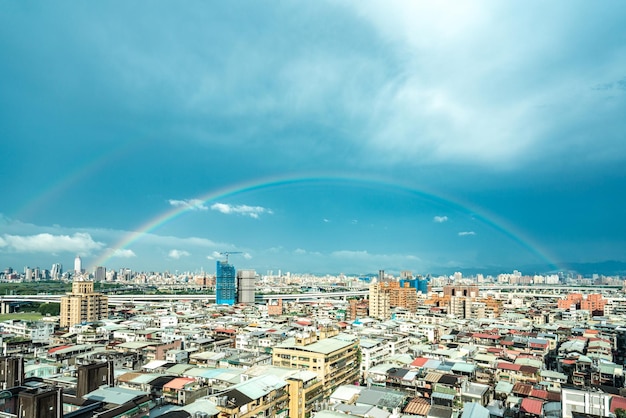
(312,137)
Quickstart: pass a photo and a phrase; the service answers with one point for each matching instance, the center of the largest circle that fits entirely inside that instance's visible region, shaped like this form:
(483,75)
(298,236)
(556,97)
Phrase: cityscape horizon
(349,137)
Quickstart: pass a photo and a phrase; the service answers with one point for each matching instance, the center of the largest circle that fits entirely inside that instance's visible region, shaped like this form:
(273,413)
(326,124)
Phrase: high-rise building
(406,274)
(82,305)
(100,274)
(402,296)
(78,265)
(245,286)
(334,360)
(390,294)
(56,271)
(225,283)
(379,300)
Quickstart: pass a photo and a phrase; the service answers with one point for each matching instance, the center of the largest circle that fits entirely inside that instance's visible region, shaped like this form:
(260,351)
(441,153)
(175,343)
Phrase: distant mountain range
(603,268)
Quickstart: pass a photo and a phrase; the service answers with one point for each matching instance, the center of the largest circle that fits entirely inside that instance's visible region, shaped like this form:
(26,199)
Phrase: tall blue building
(225,283)
(418,283)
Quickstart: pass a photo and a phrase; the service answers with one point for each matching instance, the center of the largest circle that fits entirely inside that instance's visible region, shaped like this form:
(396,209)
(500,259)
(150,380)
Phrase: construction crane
(227,253)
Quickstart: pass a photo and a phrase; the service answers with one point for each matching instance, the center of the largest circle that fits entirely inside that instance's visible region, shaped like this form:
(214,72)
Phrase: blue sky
(418,136)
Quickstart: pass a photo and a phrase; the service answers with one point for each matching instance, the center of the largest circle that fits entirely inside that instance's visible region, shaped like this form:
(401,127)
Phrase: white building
(584,401)
(78,265)
(38,331)
(177,356)
(168,321)
(373,352)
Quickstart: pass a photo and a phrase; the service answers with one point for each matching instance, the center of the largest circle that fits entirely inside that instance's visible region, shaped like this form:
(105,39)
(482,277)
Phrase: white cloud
(245,210)
(355,221)
(247,256)
(373,258)
(466,233)
(350,254)
(326,220)
(440,219)
(123,253)
(79,243)
(494,110)
(177,254)
(191,204)
(308,254)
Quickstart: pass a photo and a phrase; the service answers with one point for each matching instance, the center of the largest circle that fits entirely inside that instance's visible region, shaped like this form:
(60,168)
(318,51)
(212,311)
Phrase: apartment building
(334,360)
(82,305)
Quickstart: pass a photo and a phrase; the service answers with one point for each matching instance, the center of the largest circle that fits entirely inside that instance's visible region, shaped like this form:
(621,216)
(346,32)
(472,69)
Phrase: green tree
(51,309)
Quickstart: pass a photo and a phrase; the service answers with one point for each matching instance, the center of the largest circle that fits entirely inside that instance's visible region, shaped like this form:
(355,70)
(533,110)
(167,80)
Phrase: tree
(51,309)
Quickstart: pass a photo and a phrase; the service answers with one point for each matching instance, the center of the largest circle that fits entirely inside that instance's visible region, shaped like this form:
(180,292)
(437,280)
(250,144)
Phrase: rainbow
(81,171)
(482,215)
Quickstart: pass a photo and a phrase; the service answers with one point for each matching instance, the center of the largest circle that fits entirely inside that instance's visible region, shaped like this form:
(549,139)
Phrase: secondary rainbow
(274,182)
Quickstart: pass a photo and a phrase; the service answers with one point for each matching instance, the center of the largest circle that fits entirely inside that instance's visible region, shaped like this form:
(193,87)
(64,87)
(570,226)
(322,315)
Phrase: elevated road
(148,298)
(501,292)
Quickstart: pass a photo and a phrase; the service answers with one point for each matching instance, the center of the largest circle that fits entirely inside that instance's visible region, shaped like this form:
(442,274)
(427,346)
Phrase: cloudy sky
(312,136)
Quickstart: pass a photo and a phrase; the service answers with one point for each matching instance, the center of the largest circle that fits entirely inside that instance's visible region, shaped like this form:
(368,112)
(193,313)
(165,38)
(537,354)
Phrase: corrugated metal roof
(227,375)
(417,406)
(134,345)
(474,410)
(440,411)
(617,402)
(539,393)
(127,377)
(432,377)
(385,398)
(504,387)
(346,392)
(410,376)
(485,358)
(449,379)
(179,368)
(432,364)
(532,406)
(522,389)
(508,366)
(260,386)
(179,383)
(463,367)
(419,362)
(447,396)
(145,378)
(154,364)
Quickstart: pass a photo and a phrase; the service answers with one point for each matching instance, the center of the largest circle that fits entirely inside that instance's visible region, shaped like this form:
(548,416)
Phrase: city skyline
(327,137)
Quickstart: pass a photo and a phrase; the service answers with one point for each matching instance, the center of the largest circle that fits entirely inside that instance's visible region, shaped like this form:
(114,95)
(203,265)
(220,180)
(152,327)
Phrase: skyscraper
(225,283)
(78,265)
(100,274)
(56,272)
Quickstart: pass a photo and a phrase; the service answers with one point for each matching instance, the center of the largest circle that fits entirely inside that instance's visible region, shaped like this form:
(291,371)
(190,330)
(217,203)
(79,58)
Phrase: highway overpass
(499,291)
